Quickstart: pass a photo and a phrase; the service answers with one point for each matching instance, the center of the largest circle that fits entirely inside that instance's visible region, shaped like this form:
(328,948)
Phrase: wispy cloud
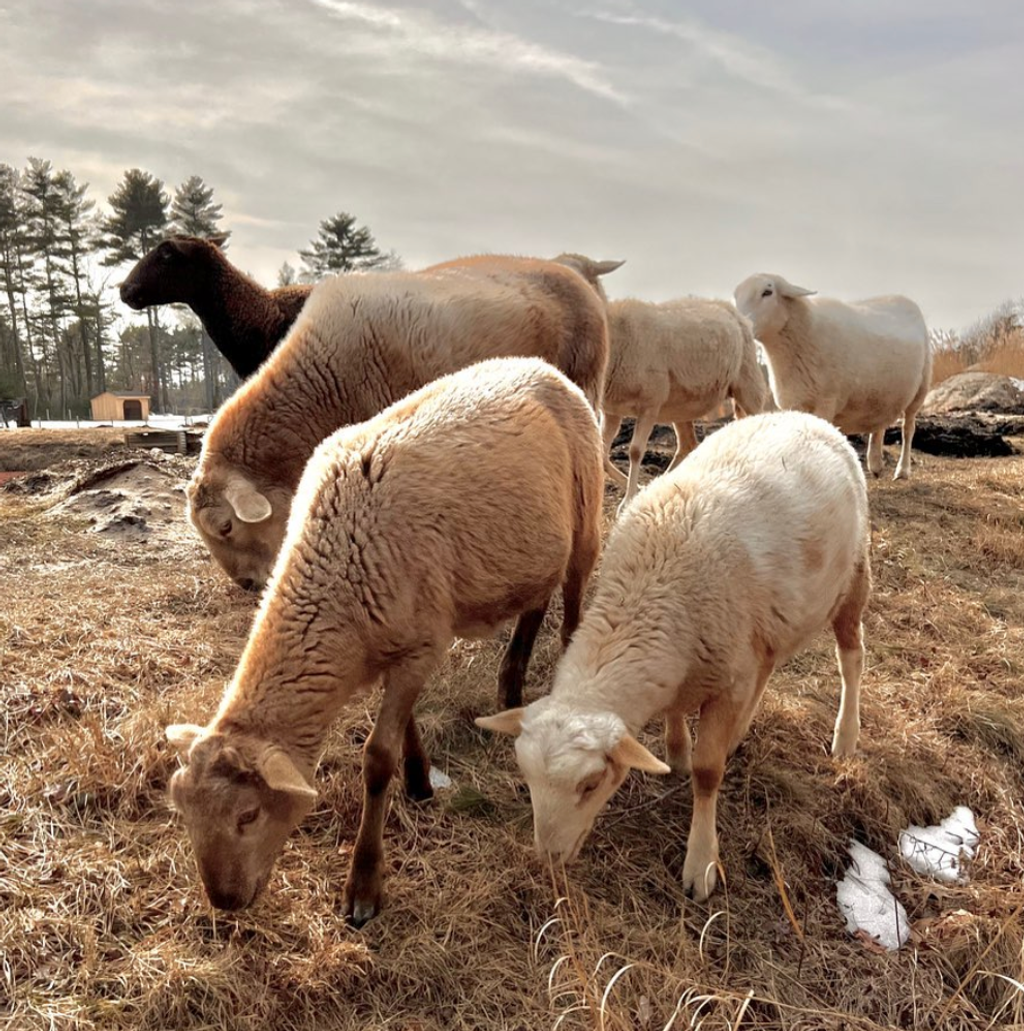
(411,31)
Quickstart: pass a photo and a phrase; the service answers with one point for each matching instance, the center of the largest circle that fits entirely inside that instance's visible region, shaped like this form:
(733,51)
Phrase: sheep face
(573,762)
(167,274)
(239,800)
(238,523)
(762,299)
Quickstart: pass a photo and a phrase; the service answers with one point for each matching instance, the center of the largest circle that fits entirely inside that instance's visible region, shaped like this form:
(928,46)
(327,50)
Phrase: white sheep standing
(861,365)
(715,574)
(465,505)
(670,362)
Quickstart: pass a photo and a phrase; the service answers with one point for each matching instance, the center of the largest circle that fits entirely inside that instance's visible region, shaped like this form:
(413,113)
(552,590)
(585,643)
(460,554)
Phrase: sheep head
(763,298)
(573,763)
(172,272)
(242,525)
(240,799)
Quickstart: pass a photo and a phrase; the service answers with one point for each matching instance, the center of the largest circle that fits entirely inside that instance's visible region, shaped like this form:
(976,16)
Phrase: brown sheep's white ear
(508,722)
(183,735)
(787,289)
(602,268)
(246,501)
(629,752)
(281,774)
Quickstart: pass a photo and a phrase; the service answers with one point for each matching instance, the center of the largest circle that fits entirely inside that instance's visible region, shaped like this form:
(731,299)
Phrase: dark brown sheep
(244,320)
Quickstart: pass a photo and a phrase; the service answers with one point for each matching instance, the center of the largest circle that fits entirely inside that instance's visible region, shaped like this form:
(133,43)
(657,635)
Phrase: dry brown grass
(103,923)
(1003,355)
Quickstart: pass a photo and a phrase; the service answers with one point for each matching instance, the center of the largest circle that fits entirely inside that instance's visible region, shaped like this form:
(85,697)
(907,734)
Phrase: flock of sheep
(417,457)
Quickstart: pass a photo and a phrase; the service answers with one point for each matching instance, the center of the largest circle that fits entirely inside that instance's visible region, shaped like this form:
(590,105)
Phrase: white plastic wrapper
(867,903)
(939,851)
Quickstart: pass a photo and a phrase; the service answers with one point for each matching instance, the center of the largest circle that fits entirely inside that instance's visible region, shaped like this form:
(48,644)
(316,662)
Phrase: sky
(857,148)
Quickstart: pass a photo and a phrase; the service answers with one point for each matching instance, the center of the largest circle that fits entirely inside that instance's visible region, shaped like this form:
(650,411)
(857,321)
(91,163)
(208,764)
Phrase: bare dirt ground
(108,633)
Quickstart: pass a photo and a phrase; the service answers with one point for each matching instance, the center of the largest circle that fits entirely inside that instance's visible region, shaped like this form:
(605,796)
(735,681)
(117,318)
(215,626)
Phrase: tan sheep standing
(362,342)
(715,575)
(671,362)
(463,506)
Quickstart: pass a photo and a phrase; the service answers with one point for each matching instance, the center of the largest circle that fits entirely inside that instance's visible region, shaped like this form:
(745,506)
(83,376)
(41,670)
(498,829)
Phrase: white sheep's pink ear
(602,268)
(281,774)
(246,501)
(508,722)
(629,752)
(787,289)
(183,735)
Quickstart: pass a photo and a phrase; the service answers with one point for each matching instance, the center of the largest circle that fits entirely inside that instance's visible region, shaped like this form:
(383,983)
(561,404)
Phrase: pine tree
(286,275)
(12,244)
(193,212)
(340,246)
(137,222)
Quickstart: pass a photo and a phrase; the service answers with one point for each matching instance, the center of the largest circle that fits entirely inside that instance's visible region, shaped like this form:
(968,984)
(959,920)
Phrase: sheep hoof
(902,474)
(361,906)
(417,781)
(700,876)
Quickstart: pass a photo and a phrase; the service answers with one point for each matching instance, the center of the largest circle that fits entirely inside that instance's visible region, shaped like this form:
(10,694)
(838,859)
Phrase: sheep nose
(247,583)
(226,900)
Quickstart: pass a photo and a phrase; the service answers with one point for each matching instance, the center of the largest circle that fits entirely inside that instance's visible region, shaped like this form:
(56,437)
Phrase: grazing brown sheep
(458,508)
(244,320)
(362,342)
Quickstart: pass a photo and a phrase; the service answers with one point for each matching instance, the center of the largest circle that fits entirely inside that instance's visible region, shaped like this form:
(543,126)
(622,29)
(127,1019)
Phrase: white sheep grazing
(674,362)
(670,362)
(465,505)
(861,366)
(716,573)
(361,342)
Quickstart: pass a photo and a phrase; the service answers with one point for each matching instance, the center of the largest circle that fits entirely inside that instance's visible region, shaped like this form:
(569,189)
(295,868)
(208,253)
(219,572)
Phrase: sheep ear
(629,752)
(246,501)
(219,240)
(508,722)
(787,289)
(183,735)
(281,774)
(602,268)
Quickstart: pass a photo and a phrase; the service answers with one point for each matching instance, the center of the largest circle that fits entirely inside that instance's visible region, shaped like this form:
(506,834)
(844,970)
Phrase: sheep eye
(249,816)
(767,292)
(589,785)
(225,528)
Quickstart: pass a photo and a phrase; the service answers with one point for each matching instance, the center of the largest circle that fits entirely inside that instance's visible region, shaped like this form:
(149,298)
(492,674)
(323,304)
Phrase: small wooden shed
(119,405)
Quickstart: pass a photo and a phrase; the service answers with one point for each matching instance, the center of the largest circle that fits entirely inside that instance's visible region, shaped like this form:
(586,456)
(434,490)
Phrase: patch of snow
(438,780)
(867,903)
(1018,383)
(937,850)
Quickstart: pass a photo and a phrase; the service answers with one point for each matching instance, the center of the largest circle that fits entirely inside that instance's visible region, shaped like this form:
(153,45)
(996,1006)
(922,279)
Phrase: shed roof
(122,393)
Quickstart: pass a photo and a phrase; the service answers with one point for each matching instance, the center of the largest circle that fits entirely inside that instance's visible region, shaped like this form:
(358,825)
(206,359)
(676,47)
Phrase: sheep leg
(876,461)
(909,425)
(719,719)
(609,429)
(517,658)
(380,756)
(678,744)
(750,709)
(850,653)
(416,764)
(637,448)
(686,441)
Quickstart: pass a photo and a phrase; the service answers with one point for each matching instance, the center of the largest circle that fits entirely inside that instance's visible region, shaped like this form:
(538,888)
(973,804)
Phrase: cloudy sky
(857,147)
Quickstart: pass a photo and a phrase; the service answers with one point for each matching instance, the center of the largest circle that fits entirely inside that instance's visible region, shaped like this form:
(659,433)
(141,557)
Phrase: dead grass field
(104,925)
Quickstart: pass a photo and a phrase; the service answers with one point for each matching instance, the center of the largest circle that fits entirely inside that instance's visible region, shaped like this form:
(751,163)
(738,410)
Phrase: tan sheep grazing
(362,342)
(674,362)
(461,507)
(716,573)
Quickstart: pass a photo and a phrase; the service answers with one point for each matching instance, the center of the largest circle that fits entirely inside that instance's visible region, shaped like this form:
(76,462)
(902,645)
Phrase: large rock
(976,392)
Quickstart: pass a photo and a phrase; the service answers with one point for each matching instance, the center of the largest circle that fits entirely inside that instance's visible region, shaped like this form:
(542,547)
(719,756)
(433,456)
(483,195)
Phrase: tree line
(60,341)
